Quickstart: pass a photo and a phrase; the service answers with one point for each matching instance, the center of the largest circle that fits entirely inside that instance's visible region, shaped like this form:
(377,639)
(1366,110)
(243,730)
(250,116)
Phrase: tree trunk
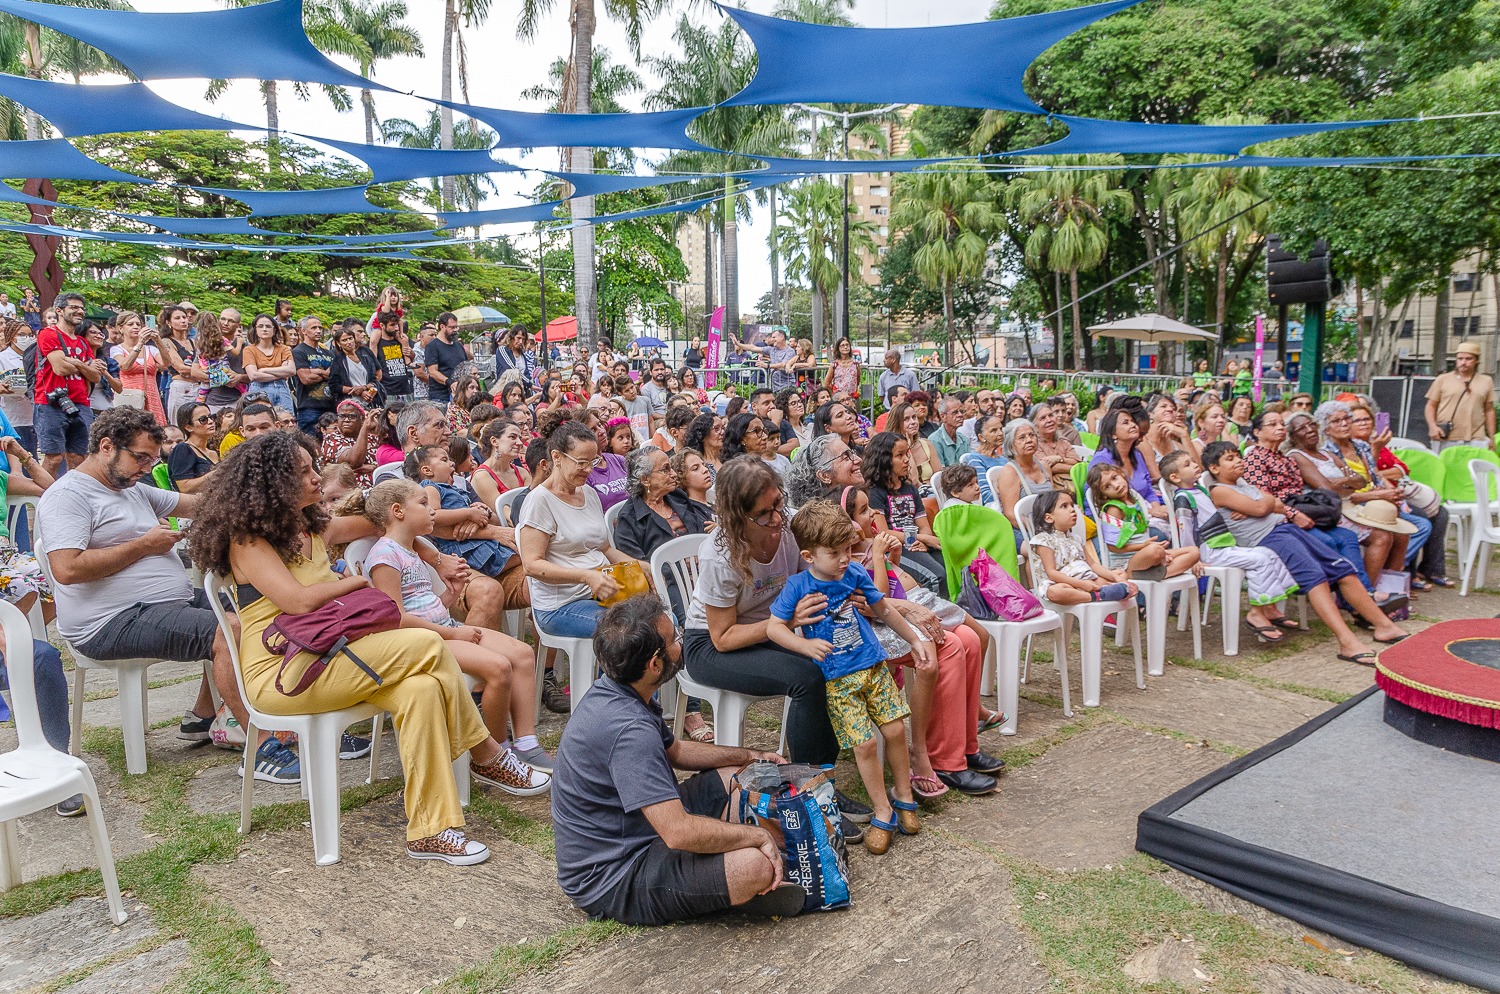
(776,269)
(585,296)
(731,260)
(445,113)
(35,61)
(1057,306)
(1440,325)
(818,307)
(1160,274)
(948,322)
(368,99)
(1221,302)
(1078,360)
(273,123)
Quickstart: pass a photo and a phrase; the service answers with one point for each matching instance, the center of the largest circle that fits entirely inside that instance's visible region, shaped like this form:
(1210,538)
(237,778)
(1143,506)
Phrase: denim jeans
(51,693)
(1418,540)
(576,620)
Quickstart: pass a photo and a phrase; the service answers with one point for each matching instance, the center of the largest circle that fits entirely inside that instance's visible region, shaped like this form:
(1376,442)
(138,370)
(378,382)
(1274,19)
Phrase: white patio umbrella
(1152,328)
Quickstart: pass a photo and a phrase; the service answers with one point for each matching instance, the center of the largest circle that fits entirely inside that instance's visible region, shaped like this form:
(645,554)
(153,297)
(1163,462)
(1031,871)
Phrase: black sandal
(1260,632)
(1366,658)
(1287,624)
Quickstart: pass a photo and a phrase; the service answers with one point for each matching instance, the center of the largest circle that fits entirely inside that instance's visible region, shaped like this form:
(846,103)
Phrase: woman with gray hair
(824,466)
(1022,476)
(657,512)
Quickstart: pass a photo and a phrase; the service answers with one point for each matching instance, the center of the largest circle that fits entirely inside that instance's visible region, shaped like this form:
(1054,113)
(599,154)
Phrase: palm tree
(379,24)
(954,215)
(811,234)
(578,99)
(42,52)
(713,66)
(1210,198)
(610,81)
(1066,208)
(468,189)
(472,13)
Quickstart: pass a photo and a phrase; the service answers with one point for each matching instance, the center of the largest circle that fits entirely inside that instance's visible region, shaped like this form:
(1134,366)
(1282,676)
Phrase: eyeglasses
(777,512)
(143,458)
(847,454)
(597,462)
(207,419)
(756,430)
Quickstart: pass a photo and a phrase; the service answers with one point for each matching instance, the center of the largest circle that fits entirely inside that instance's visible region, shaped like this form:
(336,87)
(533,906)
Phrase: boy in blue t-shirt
(861,694)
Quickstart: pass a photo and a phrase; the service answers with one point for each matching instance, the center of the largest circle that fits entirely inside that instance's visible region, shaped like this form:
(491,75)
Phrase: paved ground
(1035,889)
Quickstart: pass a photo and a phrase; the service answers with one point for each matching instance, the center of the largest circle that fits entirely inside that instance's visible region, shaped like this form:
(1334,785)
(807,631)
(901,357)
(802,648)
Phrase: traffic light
(1290,280)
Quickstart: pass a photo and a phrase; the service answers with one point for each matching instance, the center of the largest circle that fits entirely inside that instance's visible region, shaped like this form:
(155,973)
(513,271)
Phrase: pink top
(388,454)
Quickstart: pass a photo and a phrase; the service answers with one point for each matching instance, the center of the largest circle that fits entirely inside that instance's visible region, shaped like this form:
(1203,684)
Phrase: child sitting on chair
(1131,542)
(1066,570)
(1202,524)
(505,667)
(465,527)
(961,482)
(862,696)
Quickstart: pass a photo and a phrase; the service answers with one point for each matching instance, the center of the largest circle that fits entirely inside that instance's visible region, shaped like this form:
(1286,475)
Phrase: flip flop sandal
(1393,641)
(907,821)
(1260,632)
(922,787)
(1288,624)
(1420,585)
(1441,581)
(1362,658)
(995,720)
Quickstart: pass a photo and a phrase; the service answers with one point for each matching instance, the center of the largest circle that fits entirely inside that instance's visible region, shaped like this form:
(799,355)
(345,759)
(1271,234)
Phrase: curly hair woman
(262,518)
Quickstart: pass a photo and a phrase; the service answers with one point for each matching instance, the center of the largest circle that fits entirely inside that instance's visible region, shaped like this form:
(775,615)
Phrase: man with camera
(1461,404)
(66,371)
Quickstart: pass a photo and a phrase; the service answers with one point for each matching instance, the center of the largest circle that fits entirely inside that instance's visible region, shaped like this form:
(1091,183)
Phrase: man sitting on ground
(633,845)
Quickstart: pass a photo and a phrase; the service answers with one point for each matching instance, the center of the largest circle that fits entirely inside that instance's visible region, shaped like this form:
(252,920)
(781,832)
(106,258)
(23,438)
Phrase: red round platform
(1428,671)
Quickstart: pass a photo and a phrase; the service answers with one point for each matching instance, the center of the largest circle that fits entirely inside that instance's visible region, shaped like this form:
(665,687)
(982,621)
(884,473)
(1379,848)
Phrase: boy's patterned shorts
(859,703)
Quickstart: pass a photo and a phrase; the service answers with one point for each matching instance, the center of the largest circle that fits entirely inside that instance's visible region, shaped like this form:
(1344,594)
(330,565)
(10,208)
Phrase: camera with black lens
(58,397)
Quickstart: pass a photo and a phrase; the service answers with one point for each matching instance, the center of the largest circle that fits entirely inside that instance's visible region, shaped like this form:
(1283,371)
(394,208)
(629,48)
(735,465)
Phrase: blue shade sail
(263,41)
(389,238)
(596,184)
(503,215)
(1087,136)
(392,163)
(838,167)
(528,129)
(963,65)
(202,225)
(11,195)
(687,205)
(284,203)
(105,110)
(55,159)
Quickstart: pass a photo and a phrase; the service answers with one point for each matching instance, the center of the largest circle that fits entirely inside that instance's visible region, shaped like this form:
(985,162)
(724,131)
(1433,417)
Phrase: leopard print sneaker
(450,846)
(512,775)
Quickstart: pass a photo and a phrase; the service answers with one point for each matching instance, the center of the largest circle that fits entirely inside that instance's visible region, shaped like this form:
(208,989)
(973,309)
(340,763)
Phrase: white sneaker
(512,775)
(451,846)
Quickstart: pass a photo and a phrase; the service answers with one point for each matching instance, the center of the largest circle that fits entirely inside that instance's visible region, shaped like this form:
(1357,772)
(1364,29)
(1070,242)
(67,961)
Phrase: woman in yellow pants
(262,523)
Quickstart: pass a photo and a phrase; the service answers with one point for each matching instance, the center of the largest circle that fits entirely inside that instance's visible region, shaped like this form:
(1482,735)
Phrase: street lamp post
(844,118)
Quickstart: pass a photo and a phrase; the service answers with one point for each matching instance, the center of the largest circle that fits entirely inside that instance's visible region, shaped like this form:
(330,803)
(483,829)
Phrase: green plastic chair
(964,529)
(1458,485)
(162,477)
(1080,475)
(1424,467)
(1089,440)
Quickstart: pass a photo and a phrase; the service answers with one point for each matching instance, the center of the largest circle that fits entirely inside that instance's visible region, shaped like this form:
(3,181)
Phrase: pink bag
(1008,599)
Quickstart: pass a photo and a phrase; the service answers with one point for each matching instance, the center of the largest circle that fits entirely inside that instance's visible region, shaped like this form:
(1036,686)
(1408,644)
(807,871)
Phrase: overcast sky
(501,66)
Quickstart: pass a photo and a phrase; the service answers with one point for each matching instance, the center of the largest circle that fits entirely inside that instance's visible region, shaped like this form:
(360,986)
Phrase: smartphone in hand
(1382,423)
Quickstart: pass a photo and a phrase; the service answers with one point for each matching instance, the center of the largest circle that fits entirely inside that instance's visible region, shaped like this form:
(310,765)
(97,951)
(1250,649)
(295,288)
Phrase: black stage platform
(1352,827)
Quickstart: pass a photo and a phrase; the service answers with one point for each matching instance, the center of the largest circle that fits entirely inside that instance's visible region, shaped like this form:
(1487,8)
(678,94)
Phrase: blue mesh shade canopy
(263,41)
(526,129)
(1088,135)
(104,110)
(697,203)
(964,65)
(54,158)
(284,203)
(202,225)
(388,238)
(392,163)
(11,195)
(595,184)
(504,215)
(790,168)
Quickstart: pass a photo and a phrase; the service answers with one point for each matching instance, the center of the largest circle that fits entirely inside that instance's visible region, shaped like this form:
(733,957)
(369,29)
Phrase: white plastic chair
(1083,452)
(613,515)
(938,492)
(1158,596)
(1090,617)
(1484,531)
(1406,443)
(34,776)
(678,559)
(130,681)
(508,505)
(992,476)
(14,504)
(389,471)
(1231,580)
(317,743)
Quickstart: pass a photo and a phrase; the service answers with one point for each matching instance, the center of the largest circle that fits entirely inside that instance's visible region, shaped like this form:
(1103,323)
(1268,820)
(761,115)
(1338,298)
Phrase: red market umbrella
(560,329)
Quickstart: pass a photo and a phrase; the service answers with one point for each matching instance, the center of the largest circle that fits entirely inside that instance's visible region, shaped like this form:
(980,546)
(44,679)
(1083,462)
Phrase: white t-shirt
(781,464)
(721,585)
(79,512)
(17,404)
(579,538)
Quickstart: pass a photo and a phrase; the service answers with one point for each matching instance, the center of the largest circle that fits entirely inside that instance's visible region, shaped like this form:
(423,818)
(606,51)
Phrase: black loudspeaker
(1290,280)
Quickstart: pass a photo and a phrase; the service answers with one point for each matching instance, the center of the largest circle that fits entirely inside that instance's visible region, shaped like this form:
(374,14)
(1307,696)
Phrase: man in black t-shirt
(314,366)
(443,355)
(393,353)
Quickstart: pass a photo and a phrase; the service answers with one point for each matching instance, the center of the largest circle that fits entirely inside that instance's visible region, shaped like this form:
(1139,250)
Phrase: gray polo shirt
(611,764)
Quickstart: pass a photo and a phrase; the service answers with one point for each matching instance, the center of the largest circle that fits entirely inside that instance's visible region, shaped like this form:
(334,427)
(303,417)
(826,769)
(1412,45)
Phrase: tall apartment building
(1473,315)
(870,194)
(703,267)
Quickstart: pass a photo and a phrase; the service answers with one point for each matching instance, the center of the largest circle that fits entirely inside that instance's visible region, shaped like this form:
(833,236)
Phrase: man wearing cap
(1461,404)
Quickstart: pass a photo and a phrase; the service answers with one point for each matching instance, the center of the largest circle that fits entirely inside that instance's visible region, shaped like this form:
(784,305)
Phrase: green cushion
(1424,467)
(964,529)
(1089,439)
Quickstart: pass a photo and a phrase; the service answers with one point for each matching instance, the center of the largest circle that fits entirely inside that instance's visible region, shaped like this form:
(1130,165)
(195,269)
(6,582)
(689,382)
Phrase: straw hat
(1380,514)
(1468,348)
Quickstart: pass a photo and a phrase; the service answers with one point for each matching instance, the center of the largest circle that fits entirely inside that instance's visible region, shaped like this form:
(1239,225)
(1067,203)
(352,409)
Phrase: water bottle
(909,532)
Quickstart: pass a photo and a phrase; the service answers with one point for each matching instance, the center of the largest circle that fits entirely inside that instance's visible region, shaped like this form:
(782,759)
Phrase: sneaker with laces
(275,763)
(554,696)
(451,846)
(512,775)
(73,807)
(353,746)
(194,728)
(537,759)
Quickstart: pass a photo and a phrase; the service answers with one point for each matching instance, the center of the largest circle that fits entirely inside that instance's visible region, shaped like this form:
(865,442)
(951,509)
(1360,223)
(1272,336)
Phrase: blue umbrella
(646,342)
